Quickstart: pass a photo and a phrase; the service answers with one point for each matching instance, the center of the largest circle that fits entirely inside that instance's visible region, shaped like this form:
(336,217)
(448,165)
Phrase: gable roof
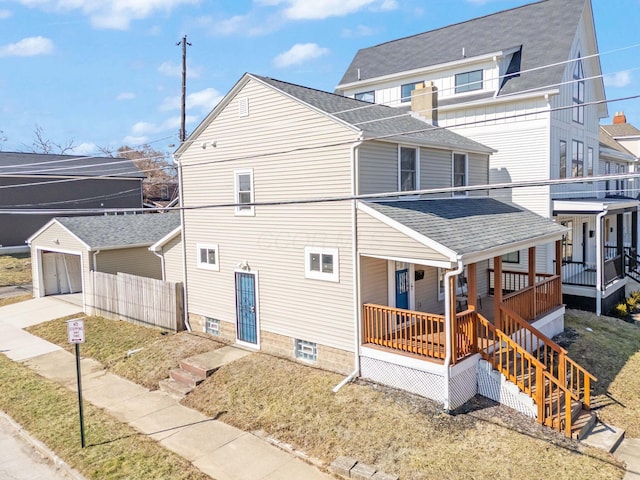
(374,121)
(621,130)
(607,141)
(470,226)
(37,164)
(543,31)
(119,231)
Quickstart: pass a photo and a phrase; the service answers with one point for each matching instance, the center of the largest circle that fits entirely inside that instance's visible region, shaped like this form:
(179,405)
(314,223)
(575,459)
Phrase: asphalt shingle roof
(108,231)
(607,140)
(17,163)
(469,225)
(544,30)
(376,120)
(622,130)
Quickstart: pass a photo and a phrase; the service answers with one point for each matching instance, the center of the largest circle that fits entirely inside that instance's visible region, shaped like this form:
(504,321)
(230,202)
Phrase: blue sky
(107,72)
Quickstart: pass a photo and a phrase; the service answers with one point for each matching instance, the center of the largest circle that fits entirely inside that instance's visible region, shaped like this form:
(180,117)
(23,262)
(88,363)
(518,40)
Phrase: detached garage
(66,250)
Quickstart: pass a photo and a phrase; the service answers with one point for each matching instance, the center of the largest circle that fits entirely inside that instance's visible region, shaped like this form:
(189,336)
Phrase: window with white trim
(408,169)
(563,159)
(578,91)
(369,96)
(590,161)
(244,192)
(469,81)
(607,171)
(405,91)
(459,171)
(306,350)
(577,158)
(322,263)
(208,256)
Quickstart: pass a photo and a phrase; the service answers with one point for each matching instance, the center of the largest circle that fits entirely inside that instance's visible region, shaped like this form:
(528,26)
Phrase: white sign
(75,330)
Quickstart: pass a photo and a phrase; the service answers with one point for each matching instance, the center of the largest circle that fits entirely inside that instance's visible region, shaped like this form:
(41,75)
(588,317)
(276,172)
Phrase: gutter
(599,259)
(161,257)
(355,267)
(448,321)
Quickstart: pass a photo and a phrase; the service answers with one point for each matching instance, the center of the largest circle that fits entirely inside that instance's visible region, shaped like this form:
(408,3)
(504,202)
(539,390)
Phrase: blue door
(402,288)
(246,319)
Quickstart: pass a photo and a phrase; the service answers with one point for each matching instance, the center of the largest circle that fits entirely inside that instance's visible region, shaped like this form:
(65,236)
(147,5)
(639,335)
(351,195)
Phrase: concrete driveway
(19,345)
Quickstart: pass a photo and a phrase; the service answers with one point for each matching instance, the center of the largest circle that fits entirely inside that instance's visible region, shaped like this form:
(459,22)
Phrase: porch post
(634,230)
(559,258)
(472,287)
(497,290)
(532,280)
(452,308)
(620,234)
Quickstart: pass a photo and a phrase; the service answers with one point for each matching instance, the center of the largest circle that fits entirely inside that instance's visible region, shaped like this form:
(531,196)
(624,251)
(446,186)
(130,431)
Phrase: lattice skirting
(494,385)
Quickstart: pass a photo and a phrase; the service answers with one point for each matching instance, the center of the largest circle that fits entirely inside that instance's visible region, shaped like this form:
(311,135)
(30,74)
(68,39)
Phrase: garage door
(61,273)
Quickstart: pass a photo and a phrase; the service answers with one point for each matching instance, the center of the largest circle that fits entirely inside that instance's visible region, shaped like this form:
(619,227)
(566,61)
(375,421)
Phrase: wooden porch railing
(534,301)
(418,333)
(512,280)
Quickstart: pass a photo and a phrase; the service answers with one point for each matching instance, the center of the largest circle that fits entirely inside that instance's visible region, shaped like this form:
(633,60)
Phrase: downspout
(161,257)
(355,268)
(184,246)
(448,321)
(599,261)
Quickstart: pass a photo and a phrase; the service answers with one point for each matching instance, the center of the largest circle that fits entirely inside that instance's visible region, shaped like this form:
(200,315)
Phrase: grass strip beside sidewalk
(114,450)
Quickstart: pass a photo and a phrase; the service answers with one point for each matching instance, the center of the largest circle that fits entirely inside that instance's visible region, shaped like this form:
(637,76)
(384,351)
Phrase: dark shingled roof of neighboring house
(469,225)
(543,30)
(621,130)
(110,231)
(37,164)
(376,120)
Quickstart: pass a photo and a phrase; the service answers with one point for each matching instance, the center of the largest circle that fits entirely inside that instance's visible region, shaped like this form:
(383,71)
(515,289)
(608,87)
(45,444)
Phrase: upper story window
(469,81)
(607,171)
(405,91)
(408,169)
(321,263)
(578,92)
(590,161)
(244,192)
(459,172)
(577,159)
(563,159)
(366,96)
(208,256)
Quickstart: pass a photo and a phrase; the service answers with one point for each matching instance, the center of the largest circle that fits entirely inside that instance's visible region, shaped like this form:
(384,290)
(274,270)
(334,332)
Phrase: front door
(246,318)
(402,288)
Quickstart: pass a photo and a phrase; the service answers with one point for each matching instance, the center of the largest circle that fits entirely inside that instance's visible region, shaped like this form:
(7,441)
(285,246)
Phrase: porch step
(583,424)
(205,364)
(186,377)
(176,389)
(603,436)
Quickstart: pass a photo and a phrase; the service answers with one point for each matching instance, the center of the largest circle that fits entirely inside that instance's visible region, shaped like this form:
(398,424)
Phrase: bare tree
(161,182)
(41,144)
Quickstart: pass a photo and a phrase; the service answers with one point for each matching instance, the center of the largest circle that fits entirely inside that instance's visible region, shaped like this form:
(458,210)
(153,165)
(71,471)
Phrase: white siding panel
(173,265)
(378,167)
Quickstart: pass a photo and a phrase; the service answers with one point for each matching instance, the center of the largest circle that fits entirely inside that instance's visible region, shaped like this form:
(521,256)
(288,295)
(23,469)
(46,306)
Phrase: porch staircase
(541,369)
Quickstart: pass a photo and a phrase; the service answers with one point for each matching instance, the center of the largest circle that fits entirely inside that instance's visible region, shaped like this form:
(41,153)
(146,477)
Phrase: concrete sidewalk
(217,449)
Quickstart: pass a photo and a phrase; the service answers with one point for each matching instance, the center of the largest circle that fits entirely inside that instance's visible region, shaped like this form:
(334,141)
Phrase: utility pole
(183,131)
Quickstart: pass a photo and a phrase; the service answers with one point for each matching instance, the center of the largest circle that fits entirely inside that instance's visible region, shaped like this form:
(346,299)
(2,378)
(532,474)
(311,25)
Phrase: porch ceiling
(593,205)
(474,228)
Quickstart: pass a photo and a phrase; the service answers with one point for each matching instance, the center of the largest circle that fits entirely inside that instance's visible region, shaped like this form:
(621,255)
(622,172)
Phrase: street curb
(43,449)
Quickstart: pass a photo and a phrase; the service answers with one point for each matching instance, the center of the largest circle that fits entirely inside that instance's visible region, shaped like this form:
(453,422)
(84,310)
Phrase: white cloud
(203,100)
(618,79)
(133,140)
(113,14)
(126,96)
(358,31)
(5,14)
(314,10)
(299,53)
(84,149)
(171,69)
(251,25)
(27,47)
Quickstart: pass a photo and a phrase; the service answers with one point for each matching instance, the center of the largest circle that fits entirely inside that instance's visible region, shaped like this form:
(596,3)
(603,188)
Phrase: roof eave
(427,143)
(500,250)
(169,236)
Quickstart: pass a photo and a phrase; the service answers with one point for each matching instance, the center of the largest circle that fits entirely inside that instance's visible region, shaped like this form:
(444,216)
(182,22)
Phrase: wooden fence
(142,300)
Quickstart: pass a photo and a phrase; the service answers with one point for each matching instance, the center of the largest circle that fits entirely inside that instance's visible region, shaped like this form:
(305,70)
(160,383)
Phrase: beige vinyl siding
(435,169)
(56,238)
(374,281)
(135,261)
(378,167)
(278,142)
(377,239)
(426,291)
(478,169)
(173,265)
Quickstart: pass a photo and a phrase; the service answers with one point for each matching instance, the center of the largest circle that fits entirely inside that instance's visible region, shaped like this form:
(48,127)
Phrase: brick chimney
(424,102)
(619,118)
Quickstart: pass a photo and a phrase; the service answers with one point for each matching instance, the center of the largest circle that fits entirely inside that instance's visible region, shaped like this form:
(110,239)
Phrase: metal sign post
(75,333)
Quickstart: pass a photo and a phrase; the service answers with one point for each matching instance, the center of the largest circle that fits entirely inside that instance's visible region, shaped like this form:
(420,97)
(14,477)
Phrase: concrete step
(176,389)
(186,377)
(583,424)
(603,436)
(205,364)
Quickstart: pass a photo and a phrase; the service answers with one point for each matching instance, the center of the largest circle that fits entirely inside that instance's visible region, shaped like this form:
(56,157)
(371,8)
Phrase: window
(212,326)
(563,159)
(567,242)
(164,192)
(366,96)
(511,257)
(469,81)
(590,161)
(578,91)
(577,159)
(405,91)
(408,169)
(607,171)
(208,257)
(322,263)
(244,192)
(459,172)
(306,350)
